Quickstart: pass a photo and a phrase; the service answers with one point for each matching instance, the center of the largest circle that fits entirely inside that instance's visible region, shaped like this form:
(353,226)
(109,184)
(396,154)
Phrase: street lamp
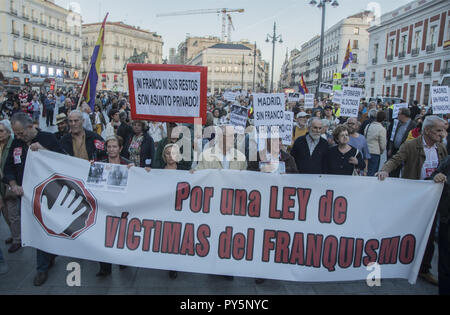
(63,61)
(254,66)
(242,81)
(274,39)
(322,5)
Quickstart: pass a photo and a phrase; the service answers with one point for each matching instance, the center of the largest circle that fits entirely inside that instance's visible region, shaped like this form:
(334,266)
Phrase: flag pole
(83,87)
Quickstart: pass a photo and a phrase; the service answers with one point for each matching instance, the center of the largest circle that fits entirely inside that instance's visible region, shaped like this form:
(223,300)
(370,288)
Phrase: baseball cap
(302,114)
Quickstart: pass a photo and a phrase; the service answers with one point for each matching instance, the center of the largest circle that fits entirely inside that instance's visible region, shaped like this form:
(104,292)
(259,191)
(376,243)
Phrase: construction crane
(225,13)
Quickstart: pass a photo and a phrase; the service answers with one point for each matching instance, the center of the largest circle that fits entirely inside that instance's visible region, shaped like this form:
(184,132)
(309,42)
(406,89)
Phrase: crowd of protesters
(323,142)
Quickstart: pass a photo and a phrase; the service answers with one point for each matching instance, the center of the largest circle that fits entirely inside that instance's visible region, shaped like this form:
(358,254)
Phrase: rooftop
(230,46)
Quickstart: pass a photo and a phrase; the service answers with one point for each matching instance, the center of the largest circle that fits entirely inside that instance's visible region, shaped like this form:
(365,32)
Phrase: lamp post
(254,67)
(274,39)
(322,5)
(63,61)
(242,80)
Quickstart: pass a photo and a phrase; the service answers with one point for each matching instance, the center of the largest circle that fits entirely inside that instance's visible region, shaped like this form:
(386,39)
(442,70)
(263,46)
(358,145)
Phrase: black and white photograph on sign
(326,88)
(118,176)
(96,174)
(238,117)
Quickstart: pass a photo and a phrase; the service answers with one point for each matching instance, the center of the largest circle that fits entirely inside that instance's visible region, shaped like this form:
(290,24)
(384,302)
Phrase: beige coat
(375,135)
(210,160)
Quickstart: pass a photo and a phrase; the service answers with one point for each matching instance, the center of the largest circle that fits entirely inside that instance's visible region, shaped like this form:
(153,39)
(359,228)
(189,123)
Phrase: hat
(302,114)
(328,107)
(60,118)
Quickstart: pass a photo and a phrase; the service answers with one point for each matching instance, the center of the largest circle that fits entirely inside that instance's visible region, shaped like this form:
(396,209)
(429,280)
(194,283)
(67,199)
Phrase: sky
(296,20)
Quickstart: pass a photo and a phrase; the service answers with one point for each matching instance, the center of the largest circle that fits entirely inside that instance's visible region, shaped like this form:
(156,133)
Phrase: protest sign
(397,109)
(440,99)
(238,117)
(350,101)
(337,97)
(293,227)
(294,97)
(169,93)
(268,109)
(231,96)
(309,101)
(326,88)
(286,128)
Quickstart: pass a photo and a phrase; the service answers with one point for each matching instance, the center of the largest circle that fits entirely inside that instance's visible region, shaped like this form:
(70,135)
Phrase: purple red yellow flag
(91,80)
(302,86)
(348,56)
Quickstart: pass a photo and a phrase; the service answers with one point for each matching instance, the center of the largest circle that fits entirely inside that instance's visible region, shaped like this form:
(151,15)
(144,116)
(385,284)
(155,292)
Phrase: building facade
(191,47)
(40,44)
(410,51)
(305,62)
(122,44)
(233,66)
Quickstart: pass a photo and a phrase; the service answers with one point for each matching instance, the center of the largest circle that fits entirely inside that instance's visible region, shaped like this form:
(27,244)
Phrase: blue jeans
(43,260)
(373,164)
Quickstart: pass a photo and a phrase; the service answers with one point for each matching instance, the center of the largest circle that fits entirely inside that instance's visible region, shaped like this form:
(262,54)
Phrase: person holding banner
(442,175)
(343,159)
(310,151)
(114,146)
(140,148)
(28,137)
(375,135)
(420,158)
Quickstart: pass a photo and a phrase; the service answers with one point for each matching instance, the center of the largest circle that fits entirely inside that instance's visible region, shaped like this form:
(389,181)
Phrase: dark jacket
(4,157)
(289,162)
(147,150)
(337,163)
(310,164)
(158,161)
(95,145)
(15,163)
(444,204)
(390,144)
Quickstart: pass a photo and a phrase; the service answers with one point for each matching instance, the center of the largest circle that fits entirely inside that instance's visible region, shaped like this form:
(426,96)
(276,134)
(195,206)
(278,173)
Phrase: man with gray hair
(28,137)
(420,157)
(310,150)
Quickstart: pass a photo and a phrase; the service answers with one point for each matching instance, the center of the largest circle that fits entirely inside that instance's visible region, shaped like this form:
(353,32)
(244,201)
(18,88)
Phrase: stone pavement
(135,281)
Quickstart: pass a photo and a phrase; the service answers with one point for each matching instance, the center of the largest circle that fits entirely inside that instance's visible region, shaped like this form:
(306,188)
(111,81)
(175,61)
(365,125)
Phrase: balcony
(43,23)
(415,52)
(399,76)
(431,48)
(85,58)
(16,33)
(412,75)
(445,71)
(13,11)
(427,74)
(76,49)
(388,78)
(26,17)
(60,45)
(68,47)
(52,43)
(51,26)
(35,20)
(27,57)
(17,54)
(26,36)
(36,38)
(402,55)
(44,41)
(59,28)
(390,58)
(44,59)
(374,61)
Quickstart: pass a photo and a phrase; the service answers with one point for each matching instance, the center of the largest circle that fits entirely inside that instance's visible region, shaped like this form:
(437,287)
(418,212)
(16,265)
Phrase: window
(403,43)
(399,91)
(356,31)
(355,44)
(432,34)
(414,69)
(417,39)
(391,46)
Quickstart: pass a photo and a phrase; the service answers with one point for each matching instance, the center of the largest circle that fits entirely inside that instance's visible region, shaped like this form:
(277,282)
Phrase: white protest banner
(268,109)
(397,109)
(238,117)
(294,97)
(440,99)
(337,97)
(350,101)
(291,227)
(286,128)
(326,88)
(169,93)
(309,101)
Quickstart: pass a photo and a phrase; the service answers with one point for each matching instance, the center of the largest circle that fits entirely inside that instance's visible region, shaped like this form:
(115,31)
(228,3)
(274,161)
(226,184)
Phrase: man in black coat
(28,137)
(310,151)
